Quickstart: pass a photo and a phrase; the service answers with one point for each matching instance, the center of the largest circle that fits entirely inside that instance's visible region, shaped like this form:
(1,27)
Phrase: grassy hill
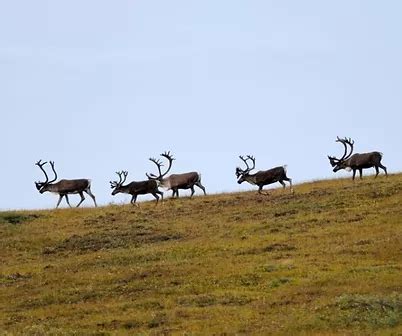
(326,260)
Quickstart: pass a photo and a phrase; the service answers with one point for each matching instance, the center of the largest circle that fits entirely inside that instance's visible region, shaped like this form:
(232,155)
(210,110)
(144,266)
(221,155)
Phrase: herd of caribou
(175,182)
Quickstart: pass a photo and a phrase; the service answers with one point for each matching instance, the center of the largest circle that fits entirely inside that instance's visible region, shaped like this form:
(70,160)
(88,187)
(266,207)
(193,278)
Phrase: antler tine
(349,141)
(40,163)
(158,162)
(168,155)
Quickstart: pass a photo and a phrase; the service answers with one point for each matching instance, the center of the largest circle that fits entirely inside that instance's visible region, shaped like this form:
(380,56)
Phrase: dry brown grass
(326,260)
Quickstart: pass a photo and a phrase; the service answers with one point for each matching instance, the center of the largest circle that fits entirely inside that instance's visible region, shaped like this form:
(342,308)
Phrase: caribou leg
(133,200)
(377,171)
(160,193)
(88,191)
(192,191)
(82,198)
(60,198)
(157,198)
(383,168)
(260,191)
(283,184)
(67,200)
(291,185)
(175,191)
(354,174)
(361,173)
(199,185)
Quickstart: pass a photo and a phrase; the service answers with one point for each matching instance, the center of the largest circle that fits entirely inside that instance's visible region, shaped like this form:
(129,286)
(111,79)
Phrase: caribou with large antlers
(261,178)
(64,187)
(358,161)
(135,188)
(175,181)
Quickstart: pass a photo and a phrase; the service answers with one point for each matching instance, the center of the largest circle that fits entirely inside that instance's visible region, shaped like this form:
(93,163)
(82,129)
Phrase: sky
(100,86)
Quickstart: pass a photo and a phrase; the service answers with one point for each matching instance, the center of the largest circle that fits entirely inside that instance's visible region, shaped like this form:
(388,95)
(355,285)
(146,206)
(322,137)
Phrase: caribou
(135,188)
(175,182)
(64,187)
(262,178)
(358,161)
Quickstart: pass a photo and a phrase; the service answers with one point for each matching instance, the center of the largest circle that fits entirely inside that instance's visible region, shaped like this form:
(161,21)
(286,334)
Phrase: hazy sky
(99,86)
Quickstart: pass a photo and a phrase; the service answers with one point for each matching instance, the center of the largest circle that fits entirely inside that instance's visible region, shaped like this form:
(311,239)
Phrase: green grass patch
(325,260)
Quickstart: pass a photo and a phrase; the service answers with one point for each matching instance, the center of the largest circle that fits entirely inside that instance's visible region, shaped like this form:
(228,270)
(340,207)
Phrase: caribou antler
(114,184)
(54,171)
(170,158)
(159,164)
(252,158)
(40,164)
(349,142)
(345,142)
(125,173)
(248,169)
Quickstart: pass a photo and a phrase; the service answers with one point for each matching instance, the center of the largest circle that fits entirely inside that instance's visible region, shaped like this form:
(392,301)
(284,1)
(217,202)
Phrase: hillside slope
(326,260)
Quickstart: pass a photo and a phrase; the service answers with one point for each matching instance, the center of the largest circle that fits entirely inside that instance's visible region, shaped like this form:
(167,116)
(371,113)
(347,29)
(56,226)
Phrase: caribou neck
(164,182)
(51,187)
(125,189)
(250,178)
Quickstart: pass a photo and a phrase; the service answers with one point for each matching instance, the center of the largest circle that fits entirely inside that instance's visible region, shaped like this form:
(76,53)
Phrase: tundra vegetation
(325,260)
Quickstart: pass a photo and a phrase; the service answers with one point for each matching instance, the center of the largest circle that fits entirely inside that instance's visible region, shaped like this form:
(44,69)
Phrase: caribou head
(117,186)
(43,186)
(342,162)
(241,174)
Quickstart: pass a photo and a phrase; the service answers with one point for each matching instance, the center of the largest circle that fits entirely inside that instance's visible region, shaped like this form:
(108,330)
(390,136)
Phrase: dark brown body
(362,161)
(67,186)
(356,161)
(64,187)
(136,188)
(266,177)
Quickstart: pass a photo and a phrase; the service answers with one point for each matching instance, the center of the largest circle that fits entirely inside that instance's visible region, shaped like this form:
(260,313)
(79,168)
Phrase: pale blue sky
(99,86)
